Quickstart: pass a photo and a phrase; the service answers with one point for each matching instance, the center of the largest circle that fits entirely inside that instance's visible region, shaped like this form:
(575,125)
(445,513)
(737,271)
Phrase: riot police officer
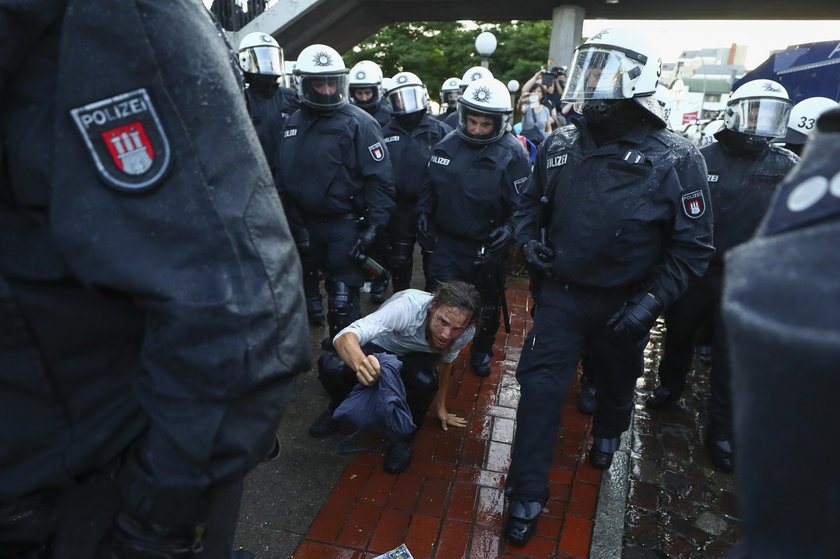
(803,121)
(471,186)
(780,305)
(270,104)
(472,74)
(450,90)
(151,317)
(410,136)
(615,221)
(366,90)
(336,172)
(744,169)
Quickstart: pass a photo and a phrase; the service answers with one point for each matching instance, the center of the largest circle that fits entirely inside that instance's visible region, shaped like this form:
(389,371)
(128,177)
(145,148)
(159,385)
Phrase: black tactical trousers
(566,318)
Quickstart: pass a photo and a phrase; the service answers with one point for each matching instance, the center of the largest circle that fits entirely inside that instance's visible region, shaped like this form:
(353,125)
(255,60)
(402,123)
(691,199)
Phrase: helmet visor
(408,99)
(262,60)
(759,116)
(323,91)
(481,127)
(599,73)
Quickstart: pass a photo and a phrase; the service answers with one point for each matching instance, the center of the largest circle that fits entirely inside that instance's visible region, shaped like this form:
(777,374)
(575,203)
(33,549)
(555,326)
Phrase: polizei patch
(126,140)
(376,151)
(694,204)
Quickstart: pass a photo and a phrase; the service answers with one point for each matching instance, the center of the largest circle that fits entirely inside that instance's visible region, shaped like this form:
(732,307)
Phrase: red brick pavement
(449,504)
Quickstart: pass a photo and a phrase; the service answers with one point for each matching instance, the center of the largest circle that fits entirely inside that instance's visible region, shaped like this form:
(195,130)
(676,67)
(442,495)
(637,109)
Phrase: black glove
(301,238)
(368,236)
(635,319)
(538,255)
(133,538)
(500,238)
(424,227)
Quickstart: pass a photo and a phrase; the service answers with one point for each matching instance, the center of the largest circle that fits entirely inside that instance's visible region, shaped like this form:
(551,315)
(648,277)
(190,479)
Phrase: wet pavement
(661,498)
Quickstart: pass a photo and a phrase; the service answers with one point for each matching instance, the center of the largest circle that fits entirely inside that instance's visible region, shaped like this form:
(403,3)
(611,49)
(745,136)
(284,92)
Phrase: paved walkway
(660,499)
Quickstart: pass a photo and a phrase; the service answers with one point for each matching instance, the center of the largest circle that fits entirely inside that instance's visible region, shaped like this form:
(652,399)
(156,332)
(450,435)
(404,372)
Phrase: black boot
(721,453)
(378,287)
(315,310)
(661,397)
(398,456)
(521,521)
(603,449)
(586,402)
(480,362)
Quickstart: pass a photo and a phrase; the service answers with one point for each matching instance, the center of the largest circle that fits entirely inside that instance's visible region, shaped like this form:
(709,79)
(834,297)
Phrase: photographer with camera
(536,117)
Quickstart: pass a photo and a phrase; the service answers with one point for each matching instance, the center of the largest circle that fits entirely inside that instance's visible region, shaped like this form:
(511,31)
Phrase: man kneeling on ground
(426,332)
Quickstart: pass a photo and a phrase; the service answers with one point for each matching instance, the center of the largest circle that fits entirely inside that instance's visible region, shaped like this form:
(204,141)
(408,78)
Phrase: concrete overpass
(344,23)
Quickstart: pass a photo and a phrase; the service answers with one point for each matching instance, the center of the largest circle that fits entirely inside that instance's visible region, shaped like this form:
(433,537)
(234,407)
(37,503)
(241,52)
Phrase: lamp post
(513,87)
(485,45)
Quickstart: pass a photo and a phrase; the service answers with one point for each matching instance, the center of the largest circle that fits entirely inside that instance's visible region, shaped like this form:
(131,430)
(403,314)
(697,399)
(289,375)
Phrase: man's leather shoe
(601,454)
(324,426)
(721,453)
(521,521)
(586,402)
(481,364)
(397,457)
(661,397)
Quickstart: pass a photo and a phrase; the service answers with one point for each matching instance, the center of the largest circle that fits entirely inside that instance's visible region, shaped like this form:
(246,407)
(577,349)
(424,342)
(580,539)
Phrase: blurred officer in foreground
(427,332)
(152,317)
(781,304)
(614,222)
(471,187)
(410,136)
(803,120)
(744,169)
(335,173)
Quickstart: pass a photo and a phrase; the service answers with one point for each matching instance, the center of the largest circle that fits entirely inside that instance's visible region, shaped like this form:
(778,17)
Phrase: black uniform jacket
(633,211)
(336,164)
(149,288)
(269,109)
(742,187)
(410,151)
(470,189)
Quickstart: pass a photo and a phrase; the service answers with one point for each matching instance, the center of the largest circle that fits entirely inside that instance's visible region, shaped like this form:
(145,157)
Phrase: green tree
(437,50)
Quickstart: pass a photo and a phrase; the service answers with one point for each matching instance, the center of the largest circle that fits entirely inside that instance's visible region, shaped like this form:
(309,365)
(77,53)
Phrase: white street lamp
(485,45)
(513,87)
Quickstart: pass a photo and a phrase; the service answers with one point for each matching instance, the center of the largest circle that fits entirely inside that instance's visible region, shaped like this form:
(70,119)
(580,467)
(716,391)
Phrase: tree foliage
(437,50)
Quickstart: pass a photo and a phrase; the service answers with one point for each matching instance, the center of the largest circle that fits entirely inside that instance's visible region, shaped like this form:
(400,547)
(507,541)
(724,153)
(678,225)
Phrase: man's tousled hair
(461,295)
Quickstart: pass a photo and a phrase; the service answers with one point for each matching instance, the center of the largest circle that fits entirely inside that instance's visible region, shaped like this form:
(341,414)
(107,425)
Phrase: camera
(548,79)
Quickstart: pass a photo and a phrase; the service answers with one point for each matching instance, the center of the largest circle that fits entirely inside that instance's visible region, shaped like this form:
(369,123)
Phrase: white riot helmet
(366,74)
(259,53)
(803,118)
(758,108)
(322,78)
(408,94)
(474,73)
(449,93)
(615,64)
(708,135)
(484,111)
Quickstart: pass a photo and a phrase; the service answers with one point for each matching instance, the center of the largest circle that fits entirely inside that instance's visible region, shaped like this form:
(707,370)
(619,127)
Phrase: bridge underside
(344,23)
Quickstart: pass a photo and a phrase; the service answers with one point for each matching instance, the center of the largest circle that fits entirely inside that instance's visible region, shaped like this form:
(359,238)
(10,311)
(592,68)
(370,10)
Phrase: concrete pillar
(566,30)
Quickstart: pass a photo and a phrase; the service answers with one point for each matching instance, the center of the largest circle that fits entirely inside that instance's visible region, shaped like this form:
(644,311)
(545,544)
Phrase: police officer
(744,170)
(472,74)
(410,136)
(450,90)
(366,90)
(616,221)
(803,120)
(336,172)
(151,317)
(472,184)
(270,104)
(780,305)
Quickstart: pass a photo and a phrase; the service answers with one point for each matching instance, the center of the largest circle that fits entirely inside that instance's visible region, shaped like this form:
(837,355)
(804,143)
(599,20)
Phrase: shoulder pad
(806,198)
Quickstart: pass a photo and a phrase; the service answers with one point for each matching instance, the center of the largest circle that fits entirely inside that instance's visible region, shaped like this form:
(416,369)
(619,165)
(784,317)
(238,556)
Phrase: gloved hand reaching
(368,236)
(635,318)
(538,255)
(500,238)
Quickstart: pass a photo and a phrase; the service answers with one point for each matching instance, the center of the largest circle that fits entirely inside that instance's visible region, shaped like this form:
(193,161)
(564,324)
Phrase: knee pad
(343,305)
(400,254)
(336,378)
